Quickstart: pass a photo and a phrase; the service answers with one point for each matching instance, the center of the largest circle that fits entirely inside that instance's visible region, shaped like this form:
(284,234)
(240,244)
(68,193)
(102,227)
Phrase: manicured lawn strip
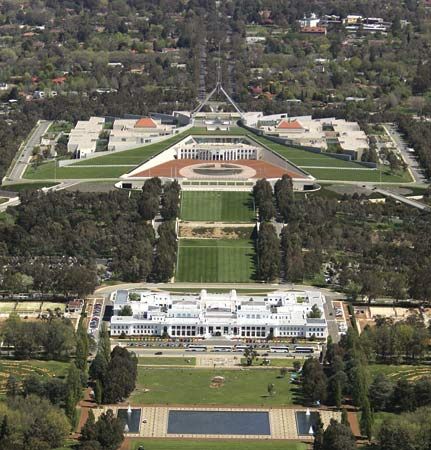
(275,362)
(217,206)
(262,291)
(192,387)
(359,175)
(207,260)
(19,187)
(166,361)
(217,444)
(48,171)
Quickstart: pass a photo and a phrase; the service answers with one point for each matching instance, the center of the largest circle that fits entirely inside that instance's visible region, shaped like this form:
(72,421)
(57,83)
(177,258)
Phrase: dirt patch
(215,232)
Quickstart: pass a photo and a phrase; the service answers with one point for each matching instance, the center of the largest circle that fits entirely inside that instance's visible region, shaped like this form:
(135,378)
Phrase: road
(23,159)
(409,157)
(15,201)
(403,199)
(264,287)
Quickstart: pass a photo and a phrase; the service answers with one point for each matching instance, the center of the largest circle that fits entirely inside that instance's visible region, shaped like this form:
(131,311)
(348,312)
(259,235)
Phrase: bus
(222,348)
(279,349)
(196,348)
(304,349)
(241,348)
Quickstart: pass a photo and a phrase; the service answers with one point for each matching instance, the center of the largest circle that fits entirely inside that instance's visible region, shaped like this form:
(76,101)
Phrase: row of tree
(343,374)
(113,373)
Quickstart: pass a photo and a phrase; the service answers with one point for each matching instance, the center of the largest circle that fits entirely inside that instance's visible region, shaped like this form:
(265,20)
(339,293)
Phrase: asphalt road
(409,157)
(23,159)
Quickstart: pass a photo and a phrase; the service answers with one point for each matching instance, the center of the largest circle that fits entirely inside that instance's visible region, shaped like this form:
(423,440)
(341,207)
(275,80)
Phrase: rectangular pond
(219,422)
(131,419)
(305,422)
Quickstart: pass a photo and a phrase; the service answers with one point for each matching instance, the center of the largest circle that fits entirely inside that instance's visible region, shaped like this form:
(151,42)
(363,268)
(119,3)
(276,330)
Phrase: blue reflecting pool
(218,422)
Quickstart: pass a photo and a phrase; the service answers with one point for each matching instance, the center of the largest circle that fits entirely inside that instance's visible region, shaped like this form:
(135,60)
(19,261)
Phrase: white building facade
(278,314)
(214,148)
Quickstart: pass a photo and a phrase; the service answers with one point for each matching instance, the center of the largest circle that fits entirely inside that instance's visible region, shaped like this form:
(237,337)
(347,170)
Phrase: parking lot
(95,309)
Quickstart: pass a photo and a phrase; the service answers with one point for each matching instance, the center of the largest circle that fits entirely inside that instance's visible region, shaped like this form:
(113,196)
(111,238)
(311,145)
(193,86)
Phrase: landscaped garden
(23,369)
(208,260)
(401,372)
(197,387)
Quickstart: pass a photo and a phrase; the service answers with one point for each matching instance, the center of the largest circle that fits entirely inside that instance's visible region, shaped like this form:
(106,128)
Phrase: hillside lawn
(192,387)
(215,206)
(209,260)
(369,175)
(217,444)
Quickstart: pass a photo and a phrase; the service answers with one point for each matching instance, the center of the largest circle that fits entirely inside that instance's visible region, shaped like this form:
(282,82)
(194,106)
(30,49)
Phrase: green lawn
(217,206)
(208,260)
(370,175)
(274,362)
(193,386)
(50,172)
(166,361)
(218,444)
(304,157)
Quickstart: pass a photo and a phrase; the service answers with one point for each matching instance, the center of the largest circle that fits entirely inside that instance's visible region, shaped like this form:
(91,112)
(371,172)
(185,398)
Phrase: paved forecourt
(282,421)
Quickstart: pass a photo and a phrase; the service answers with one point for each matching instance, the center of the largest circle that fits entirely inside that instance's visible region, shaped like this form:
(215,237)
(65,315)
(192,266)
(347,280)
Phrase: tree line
(368,250)
(52,240)
(113,373)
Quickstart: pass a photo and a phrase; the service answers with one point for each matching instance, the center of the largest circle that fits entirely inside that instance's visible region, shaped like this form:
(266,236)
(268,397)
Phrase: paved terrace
(282,422)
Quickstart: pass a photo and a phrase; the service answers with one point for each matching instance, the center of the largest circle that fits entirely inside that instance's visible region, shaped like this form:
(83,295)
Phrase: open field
(7,307)
(215,261)
(217,206)
(166,361)
(193,387)
(404,372)
(27,307)
(199,444)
